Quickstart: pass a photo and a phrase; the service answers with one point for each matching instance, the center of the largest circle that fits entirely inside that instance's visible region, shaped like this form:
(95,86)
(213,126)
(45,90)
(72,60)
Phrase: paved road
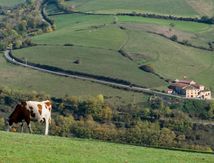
(112,84)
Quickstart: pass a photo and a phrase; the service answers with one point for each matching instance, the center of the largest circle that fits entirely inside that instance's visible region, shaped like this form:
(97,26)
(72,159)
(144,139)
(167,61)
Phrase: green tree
(167,137)
(106,113)
(17,44)
(174,38)
(62,125)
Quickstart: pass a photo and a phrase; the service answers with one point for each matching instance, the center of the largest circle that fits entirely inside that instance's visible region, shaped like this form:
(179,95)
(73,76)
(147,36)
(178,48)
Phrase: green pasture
(18,148)
(179,25)
(90,31)
(27,80)
(94,61)
(168,7)
(170,59)
(98,31)
(97,39)
(9,3)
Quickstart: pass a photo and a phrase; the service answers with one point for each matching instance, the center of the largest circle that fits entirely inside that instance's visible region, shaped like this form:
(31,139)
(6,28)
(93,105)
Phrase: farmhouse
(190,89)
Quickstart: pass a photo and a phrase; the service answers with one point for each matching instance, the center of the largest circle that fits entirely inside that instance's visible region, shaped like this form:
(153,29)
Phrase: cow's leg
(27,120)
(29,128)
(8,128)
(22,126)
(29,125)
(46,126)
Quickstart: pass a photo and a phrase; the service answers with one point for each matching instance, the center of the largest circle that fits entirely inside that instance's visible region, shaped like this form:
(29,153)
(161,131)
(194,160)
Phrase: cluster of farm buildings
(189,89)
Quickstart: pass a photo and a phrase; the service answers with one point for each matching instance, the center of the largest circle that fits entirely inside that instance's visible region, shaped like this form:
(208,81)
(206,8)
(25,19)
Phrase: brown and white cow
(31,111)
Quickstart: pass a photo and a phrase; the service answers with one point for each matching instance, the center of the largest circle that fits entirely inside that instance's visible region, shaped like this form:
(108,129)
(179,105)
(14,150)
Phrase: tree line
(203,19)
(21,22)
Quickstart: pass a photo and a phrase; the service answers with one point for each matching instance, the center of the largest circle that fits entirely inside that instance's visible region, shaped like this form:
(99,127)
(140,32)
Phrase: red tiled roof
(180,85)
(185,86)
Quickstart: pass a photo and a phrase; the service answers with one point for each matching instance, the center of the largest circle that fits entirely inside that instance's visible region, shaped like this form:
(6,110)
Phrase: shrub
(68,44)
(147,68)
(174,38)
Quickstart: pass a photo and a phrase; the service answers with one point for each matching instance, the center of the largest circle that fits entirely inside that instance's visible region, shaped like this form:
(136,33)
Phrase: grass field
(170,59)
(34,148)
(172,7)
(31,80)
(169,7)
(96,41)
(93,61)
(102,43)
(179,25)
(9,3)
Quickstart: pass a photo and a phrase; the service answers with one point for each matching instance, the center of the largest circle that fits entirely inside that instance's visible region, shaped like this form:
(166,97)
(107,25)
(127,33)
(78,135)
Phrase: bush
(68,44)
(147,68)
(174,38)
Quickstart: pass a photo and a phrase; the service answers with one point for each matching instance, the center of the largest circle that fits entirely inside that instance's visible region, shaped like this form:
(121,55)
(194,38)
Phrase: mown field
(35,148)
(96,40)
(168,7)
(9,3)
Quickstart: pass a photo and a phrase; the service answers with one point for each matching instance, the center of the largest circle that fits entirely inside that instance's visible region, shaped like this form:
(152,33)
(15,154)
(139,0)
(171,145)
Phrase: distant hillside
(35,148)
(171,7)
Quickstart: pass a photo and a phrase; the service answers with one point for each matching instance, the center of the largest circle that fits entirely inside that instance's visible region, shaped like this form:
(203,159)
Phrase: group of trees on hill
(158,122)
(21,22)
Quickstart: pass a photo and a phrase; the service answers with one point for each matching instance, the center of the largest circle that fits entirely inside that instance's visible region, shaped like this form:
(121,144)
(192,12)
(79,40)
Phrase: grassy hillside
(31,80)
(93,61)
(168,7)
(97,39)
(10,2)
(34,148)
(115,6)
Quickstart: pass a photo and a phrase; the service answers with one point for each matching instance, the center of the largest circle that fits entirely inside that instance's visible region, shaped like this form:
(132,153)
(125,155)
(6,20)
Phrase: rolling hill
(95,40)
(35,148)
(169,7)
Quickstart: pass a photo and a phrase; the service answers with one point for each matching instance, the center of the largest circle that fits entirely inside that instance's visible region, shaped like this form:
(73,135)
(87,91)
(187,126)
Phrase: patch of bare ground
(203,7)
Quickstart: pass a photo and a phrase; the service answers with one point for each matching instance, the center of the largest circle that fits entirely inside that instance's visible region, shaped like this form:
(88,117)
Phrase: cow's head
(9,125)
(13,119)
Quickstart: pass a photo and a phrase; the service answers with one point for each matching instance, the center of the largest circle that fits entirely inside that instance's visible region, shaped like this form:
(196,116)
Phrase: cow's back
(38,110)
